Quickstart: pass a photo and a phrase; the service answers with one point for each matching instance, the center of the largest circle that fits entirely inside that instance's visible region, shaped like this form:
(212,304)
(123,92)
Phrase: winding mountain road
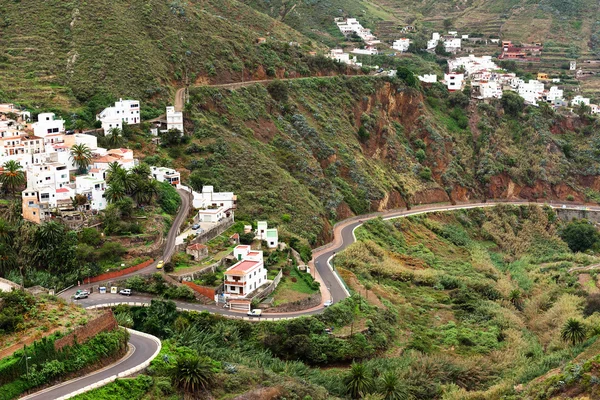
(143,348)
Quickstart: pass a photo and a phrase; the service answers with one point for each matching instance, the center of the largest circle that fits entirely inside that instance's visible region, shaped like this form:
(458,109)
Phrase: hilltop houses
(452,44)
(124,111)
(351,26)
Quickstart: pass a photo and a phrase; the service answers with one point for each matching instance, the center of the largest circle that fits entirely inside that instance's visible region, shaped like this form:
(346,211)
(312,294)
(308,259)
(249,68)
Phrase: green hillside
(313,151)
(58,53)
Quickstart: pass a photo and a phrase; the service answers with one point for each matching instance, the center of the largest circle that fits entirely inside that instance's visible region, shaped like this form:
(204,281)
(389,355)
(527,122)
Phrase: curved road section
(143,349)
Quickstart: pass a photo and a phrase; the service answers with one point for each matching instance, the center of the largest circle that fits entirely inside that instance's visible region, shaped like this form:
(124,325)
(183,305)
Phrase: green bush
(168,198)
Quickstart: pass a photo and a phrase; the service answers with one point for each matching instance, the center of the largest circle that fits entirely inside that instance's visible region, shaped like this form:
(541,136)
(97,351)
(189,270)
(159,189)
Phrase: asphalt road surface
(143,348)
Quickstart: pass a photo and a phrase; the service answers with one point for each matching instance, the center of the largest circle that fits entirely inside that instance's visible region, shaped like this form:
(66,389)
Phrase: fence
(271,288)
(203,290)
(116,274)
(208,235)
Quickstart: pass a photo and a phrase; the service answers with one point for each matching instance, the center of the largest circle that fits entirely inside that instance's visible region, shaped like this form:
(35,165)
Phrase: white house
(7,108)
(554,94)
(247,275)
(472,64)
(47,126)
(428,78)
(271,236)
(531,91)
(124,111)
(211,215)
(452,45)
(454,81)
(435,38)
(367,51)
(174,119)
(163,174)
(578,100)
(351,25)
(92,186)
(490,90)
(344,58)
(572,65)
(595,108)
(401,44)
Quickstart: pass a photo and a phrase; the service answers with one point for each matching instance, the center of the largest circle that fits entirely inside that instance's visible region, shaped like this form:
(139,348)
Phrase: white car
(125,292)
(255,313)
(328,303)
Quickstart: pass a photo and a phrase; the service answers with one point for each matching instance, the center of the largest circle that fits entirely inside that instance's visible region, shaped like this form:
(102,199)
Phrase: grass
(288,291)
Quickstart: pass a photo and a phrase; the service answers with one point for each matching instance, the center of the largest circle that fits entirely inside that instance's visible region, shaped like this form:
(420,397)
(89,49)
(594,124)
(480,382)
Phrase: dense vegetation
(318,150)
(69,52)
(44,363)
(468,304)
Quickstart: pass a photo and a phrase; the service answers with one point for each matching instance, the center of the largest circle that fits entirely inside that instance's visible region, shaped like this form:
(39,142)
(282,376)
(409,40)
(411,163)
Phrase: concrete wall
(567,214)
(203,290)
(105,322)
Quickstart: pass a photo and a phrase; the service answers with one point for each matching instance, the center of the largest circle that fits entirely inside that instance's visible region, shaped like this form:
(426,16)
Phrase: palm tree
(12,177)
(115,138)
(115,192)
(142,170)
(144,191)
(81,156)
(391,387)
(516,298)
(8,258)
(359,381)
(573,331)
(192,373)
(49,233)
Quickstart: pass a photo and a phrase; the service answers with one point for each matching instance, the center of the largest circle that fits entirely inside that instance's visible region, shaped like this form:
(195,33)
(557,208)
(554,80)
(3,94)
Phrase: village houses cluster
(43,149)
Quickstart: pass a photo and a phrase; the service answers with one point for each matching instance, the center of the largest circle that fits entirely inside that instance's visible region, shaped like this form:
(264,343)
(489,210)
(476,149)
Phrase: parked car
(195,226)
(328,303)
(160,264)
(83,294)
(79,291)
(255,313)
(125,292)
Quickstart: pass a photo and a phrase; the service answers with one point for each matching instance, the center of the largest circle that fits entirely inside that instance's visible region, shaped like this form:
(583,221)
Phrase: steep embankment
(56,53)
(313,151)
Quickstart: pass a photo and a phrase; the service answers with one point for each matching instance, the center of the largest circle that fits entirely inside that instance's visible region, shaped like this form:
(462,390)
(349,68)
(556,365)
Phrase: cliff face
(310,152)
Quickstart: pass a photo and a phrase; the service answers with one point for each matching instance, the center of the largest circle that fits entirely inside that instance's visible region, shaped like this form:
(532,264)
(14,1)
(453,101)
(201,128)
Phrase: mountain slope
(60,52)
(313,151)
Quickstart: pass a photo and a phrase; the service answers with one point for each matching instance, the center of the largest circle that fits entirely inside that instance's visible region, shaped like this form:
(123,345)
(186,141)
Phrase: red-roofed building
(197,250)
(247,275)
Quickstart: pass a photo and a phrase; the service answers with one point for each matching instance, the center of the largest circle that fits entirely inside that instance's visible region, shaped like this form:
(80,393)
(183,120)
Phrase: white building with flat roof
(174,119)
(401,44)
(428,78)
(124,111)
(245,276)
(490,90)
(578,100)
(531,91)
(454,81)
(164,174)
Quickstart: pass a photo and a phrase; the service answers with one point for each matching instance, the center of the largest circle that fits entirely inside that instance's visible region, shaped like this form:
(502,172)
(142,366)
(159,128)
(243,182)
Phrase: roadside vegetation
(465,304)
